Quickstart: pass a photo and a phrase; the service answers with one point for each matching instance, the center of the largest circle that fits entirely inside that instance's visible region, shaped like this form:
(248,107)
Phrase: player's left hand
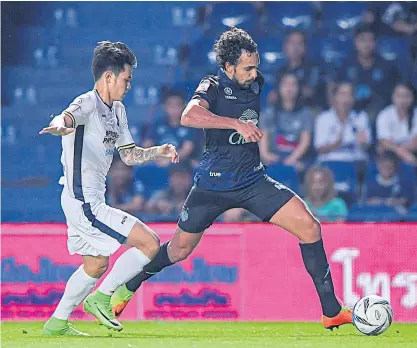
(57,130)
(168,150)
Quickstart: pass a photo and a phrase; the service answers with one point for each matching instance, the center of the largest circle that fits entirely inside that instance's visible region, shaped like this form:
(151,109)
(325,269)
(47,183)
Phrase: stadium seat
(152,177)
(289,15)
(284,174)
(373,213)
(225,16)
(341,17)
(397,50)
(271,53)
(345,179)
(329,49)
(412,213)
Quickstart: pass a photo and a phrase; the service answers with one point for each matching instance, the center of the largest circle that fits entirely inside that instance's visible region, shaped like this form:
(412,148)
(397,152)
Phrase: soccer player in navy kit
(231,175)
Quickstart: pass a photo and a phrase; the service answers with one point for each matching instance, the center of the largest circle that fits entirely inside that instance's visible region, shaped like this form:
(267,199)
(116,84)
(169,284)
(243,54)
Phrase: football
(372,315)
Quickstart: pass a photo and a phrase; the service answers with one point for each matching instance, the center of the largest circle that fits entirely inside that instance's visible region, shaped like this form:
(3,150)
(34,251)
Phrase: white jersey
(87,153)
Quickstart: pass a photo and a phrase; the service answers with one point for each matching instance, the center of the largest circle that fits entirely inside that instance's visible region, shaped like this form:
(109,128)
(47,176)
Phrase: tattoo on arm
(138,155)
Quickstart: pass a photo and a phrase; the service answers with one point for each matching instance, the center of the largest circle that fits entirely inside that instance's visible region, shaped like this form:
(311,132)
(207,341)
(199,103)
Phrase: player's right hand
(57,130)
(249,131)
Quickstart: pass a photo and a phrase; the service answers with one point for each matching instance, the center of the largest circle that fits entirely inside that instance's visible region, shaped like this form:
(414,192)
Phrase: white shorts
(95,228)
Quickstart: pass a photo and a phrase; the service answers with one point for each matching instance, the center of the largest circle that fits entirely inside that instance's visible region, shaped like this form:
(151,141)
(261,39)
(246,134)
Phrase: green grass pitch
(207,334)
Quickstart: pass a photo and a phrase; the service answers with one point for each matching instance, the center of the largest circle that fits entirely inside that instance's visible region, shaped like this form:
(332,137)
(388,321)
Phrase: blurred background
(338,108)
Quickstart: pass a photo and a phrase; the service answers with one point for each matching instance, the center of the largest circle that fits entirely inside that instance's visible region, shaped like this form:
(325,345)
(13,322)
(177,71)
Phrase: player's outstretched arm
(138,155)
(60,125)
(197,115)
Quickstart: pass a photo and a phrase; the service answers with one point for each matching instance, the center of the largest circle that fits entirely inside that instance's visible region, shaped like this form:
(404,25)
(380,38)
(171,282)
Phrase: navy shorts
(262,198)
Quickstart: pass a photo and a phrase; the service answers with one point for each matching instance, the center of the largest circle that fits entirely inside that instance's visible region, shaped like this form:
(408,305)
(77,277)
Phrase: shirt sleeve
(206,90)
(125,140)
(321,131)
(307,119)
(339,208)
(383,126)
(414,124)
(80,110)
(266,121)
(364,126)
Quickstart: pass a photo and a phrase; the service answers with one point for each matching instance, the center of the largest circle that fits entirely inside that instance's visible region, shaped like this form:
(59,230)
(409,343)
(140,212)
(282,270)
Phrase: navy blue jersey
(228,162)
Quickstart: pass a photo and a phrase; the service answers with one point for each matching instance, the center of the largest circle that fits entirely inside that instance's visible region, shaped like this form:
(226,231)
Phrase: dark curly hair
(229,46)
(111,56)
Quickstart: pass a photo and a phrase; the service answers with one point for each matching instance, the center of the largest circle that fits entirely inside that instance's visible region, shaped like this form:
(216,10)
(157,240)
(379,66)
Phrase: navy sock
(159,262)
(315,261)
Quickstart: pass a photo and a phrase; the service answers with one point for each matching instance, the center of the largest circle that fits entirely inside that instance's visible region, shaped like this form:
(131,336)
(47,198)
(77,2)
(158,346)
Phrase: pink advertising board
(238,272)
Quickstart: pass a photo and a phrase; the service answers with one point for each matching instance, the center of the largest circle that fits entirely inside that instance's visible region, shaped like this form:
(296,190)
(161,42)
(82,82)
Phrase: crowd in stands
(342,133)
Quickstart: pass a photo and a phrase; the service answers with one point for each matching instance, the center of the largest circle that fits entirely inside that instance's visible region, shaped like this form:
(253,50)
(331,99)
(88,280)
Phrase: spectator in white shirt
(397,125)
(342,134)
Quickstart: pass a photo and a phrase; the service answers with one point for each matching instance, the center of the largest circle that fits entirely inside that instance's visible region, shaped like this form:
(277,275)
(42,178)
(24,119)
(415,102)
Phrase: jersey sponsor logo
(228,93)
(110,138)
(216,174)
(248,115)
(109,152)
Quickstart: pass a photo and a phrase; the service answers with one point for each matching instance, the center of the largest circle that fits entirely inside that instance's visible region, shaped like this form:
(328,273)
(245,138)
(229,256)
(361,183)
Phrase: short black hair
(388,156)
(168,93)
(364,28)
(341,83)
(111,56)
(229,46)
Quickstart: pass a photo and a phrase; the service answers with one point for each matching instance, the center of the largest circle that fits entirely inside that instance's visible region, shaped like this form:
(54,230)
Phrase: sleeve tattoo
(138,155)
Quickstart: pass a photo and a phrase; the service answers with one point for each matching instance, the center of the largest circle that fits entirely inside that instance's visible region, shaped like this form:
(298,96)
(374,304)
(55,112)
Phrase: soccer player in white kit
(92,126)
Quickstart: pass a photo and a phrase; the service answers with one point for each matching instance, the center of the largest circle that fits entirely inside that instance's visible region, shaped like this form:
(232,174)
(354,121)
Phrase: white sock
(129,264)
(78,287)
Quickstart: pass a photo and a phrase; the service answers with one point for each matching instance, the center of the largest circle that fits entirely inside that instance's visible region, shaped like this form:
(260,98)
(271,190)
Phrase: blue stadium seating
(284,174)
(412,213)
(224,16)
(394,49)
(345,179)
(289,15)
(373,213)
(341,17)
(330,49)
(152,177)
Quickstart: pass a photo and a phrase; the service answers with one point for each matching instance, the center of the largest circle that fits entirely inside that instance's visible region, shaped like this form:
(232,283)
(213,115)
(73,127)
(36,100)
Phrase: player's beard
(244,85)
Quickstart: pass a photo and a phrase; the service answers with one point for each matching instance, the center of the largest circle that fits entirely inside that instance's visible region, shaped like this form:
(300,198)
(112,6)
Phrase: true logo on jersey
(228,91)
(110,138)
(248,115)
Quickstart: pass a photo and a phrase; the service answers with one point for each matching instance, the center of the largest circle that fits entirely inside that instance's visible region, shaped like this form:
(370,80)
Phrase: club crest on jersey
(248,115)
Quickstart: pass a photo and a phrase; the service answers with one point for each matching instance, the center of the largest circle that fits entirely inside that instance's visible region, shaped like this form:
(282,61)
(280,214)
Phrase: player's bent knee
(312,232)
(145,239)
(95,266)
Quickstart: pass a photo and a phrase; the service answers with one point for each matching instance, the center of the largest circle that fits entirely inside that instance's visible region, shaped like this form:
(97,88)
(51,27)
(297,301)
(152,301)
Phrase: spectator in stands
(392,18)
(321,195)
(397,125)
(169,129)
(341,133)
(309,73)
(374,77)
(287,126)
(388,187)
(122,192)
(169,201)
